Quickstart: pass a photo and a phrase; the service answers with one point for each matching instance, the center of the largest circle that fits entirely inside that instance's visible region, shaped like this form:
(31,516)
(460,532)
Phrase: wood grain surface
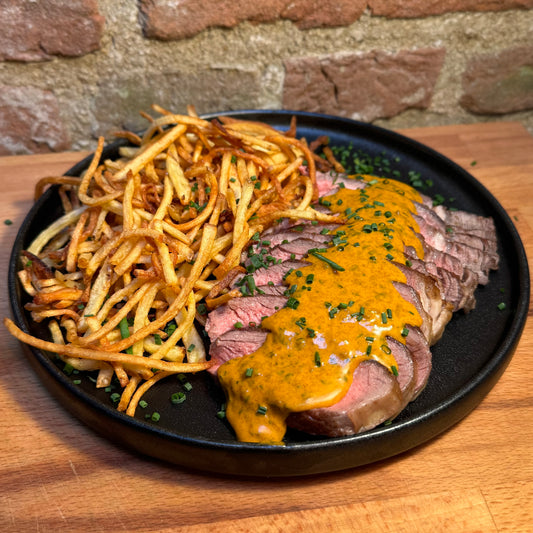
(57,475)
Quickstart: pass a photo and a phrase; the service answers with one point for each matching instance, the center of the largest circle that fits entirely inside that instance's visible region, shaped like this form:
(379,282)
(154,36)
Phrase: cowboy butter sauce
(341,309)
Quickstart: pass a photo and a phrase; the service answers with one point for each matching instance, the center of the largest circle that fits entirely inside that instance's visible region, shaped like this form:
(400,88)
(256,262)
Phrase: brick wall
(70,71)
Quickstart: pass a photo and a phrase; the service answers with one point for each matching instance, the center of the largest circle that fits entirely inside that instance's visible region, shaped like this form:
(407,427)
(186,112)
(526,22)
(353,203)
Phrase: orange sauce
(340,310)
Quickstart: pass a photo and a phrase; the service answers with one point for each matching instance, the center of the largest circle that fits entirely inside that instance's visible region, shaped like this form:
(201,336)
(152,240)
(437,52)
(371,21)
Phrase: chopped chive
(125,332)
(249,372)
(115,397)
(501,306)
(394,370)
(293,303)
(318,362)
(261,410)
(178,397)
(331,263)
(124,329)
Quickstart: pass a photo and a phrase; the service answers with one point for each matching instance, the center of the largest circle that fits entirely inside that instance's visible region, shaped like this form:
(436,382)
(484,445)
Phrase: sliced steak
(295,249)
(406,369)
(457,292)
(430,298)
(418,347)
(476,260)
(459,251)
(410,295)
(272,275)
(428,220)
(246,312)
(235,343)
(373,398)
(328,184)
(468,222)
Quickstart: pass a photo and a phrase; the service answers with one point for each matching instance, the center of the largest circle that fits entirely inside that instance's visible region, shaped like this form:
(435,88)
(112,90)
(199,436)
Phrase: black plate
(468,360)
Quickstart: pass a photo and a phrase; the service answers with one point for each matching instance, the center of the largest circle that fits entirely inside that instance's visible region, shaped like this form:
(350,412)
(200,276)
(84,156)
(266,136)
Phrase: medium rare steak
(373,398)
(459,250)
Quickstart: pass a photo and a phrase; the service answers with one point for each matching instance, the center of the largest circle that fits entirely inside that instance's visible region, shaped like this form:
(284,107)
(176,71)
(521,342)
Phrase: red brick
(30,122)
(37,31)
(364,86)
(424,8)
(208,89)
(499,83)
(178,19)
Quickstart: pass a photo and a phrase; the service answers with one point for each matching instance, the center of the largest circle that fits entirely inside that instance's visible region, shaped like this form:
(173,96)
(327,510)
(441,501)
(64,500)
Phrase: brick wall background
(73,70)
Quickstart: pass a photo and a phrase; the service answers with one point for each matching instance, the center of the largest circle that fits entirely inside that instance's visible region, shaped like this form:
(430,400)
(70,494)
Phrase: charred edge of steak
(459,251)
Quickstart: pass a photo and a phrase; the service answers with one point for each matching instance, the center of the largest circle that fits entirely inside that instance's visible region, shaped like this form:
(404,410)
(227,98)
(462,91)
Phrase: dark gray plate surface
(467,362)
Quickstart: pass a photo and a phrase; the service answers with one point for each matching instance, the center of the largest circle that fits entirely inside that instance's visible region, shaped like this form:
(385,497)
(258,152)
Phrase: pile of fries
(152,240)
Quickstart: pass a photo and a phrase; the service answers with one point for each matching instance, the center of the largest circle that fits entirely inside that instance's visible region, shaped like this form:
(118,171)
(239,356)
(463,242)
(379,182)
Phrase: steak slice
(273,274)
(235,343)
(406,369)
(295,249)
(428,220)
(328,184)
(430,299)
(246,312)
(289,235)
(476,260)
(410,295)
(459,293)
(373,398)
(468,222)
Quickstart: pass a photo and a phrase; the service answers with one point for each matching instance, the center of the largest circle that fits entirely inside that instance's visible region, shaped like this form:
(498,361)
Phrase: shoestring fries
(151,240)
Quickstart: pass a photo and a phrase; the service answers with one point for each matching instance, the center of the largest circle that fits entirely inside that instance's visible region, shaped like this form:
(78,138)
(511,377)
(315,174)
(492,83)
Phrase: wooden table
(56,475)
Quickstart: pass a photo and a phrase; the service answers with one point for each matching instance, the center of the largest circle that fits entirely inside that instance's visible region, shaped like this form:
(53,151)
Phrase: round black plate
(469,359)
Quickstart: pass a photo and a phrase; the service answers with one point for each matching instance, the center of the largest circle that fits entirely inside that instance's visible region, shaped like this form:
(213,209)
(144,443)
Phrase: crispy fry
(98,355)
(54,180)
